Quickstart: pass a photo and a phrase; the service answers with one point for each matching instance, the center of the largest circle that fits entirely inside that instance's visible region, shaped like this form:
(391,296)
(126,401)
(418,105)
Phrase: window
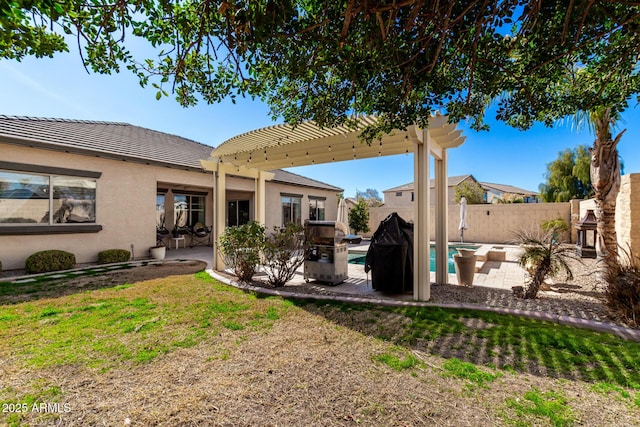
(398,193)
(291,209)
(46,199)
(160,216)
(316,208)
(238,212)
(188,209)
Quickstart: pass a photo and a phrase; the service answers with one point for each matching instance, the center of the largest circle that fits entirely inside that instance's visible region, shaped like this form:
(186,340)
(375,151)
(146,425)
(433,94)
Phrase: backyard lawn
(188,350)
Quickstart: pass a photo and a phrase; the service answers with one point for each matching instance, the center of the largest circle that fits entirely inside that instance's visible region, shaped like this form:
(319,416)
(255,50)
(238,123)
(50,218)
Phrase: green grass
(399,359)
(536,405)
(511,343)
(130,323)
(139,323)
(470,372)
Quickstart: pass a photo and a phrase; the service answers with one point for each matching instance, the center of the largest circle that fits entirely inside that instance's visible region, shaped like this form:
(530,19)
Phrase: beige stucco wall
(274,203)
(487,223)
(125,205)
(627,212)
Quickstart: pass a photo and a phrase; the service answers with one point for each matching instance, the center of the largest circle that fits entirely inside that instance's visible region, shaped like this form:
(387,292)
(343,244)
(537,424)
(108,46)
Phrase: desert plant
(557,227)
(283,254)
(241,247)
(113,255)
(543,256)
(622,295)
(51,260)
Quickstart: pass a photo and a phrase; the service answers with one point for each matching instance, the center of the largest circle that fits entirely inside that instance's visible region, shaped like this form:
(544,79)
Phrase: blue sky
(61,88)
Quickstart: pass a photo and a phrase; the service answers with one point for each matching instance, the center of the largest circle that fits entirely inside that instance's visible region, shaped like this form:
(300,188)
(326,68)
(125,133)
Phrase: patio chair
(201,235)
(161,233)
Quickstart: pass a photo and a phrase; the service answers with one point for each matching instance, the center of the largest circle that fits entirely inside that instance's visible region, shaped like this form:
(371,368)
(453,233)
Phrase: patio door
(237,212)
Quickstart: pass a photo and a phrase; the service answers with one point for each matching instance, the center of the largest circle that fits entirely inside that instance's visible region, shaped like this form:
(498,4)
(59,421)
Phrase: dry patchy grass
(186,350)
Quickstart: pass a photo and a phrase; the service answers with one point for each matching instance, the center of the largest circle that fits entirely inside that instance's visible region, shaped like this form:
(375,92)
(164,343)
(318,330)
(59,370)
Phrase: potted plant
(157,252)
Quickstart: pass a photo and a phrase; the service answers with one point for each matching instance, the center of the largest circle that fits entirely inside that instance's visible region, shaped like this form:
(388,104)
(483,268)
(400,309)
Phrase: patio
(491,273)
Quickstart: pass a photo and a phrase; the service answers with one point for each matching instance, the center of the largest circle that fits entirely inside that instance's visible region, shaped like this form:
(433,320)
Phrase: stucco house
(493,193)
(402,195)
(86,186)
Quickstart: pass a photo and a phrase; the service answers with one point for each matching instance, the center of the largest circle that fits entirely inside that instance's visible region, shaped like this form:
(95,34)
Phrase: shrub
(622,295)
(283,254)
(542,256)
(51,260)
(359,217)
(240,248)
(113,255)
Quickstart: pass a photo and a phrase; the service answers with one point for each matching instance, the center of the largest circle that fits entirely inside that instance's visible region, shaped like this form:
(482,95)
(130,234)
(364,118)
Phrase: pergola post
(219,206)
(260,205)
(441,214)
(421,271)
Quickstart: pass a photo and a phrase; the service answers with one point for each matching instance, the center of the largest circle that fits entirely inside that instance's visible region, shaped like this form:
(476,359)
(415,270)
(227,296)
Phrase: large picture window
(30,198)
(188,209)
(291,209)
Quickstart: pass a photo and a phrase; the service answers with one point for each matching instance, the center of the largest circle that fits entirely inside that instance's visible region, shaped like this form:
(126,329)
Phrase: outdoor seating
(161,233)
(200,235)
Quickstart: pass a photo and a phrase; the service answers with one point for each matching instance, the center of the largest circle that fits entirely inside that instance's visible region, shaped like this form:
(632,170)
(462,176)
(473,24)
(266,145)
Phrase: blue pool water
(359,257)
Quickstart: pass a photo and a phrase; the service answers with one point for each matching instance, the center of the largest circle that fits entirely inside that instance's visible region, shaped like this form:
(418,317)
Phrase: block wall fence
(497,223)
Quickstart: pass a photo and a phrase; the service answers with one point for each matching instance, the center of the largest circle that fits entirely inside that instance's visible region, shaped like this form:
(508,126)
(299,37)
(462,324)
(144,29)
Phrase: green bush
(241,247)
(51,260)
(113,255)
(283,254)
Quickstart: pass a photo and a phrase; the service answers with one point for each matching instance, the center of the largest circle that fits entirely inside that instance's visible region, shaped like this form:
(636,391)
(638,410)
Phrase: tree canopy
(471,190)
(370,196)
(327,60)
(568,177)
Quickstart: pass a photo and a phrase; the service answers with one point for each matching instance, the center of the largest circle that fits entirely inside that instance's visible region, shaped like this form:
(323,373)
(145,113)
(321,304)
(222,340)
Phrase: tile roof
(452,181)
(295,179)
(508,189)
(113,140)
(120,141)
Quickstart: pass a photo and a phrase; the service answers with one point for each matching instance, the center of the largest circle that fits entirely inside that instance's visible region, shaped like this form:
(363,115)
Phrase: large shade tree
(327,60)
(568,177)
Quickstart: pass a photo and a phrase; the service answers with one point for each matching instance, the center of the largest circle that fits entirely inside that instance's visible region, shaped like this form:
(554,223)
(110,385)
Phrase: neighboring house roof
(121,141)
(507,189)
(295,179)
(452,181)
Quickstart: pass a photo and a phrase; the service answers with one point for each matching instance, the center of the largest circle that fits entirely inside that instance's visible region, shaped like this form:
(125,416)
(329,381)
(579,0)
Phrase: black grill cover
(390,256)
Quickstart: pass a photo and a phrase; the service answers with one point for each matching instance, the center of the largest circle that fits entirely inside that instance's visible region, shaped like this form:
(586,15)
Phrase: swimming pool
(356,257)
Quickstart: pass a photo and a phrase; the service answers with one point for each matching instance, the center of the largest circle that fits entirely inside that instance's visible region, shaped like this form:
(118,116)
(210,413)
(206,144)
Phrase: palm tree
(543,255)
(605,180)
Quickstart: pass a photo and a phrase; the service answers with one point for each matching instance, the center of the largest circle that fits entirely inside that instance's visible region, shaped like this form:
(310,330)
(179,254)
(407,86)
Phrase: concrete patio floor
(493,274)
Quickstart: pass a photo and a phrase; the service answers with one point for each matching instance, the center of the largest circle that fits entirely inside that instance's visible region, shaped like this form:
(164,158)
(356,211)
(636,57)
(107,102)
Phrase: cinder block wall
(628,213)
(487,223)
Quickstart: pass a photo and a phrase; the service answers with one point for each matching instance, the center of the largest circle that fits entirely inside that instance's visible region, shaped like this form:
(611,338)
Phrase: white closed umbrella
(463,218)
(343,214)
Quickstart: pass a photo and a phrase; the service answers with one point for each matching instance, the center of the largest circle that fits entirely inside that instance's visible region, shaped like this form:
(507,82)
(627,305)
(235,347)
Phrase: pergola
(255,153)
